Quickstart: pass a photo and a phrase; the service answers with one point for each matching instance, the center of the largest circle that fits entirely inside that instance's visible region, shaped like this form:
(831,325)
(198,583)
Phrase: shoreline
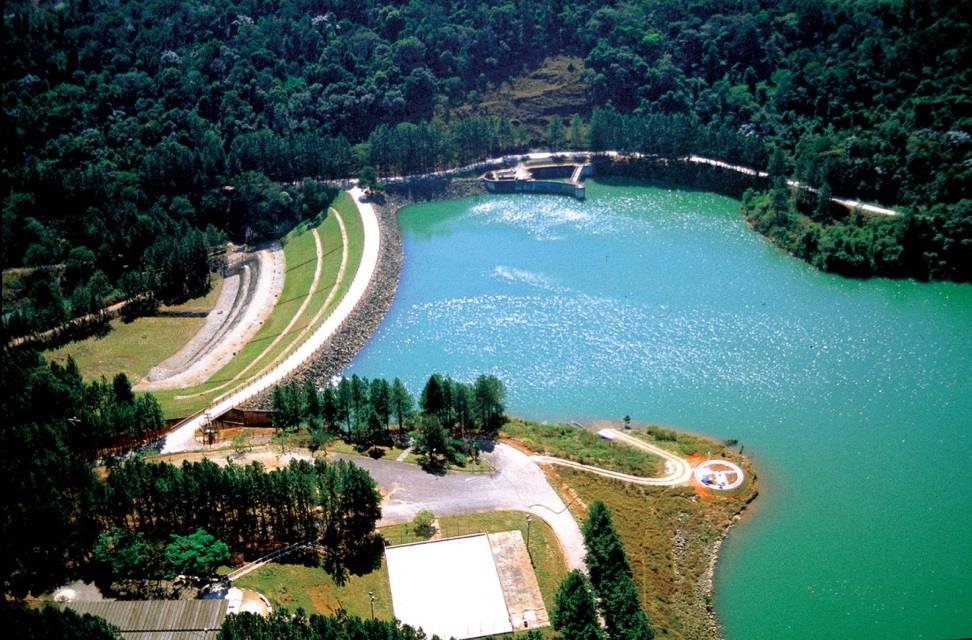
(355,332)
(707,581)
(360,325)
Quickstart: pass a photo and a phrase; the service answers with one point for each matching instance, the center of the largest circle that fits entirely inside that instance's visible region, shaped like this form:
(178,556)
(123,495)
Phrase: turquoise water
(854,398)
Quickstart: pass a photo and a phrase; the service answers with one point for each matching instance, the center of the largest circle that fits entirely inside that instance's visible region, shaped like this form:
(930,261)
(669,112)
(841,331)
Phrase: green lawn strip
(471,466)
(137,346)
(313,590)
(299,250)
(586,447)
(340,446)
(300,255)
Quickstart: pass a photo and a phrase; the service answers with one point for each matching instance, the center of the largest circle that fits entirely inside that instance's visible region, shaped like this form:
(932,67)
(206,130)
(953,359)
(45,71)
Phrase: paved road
(182,439)
(677,470)
(517,484)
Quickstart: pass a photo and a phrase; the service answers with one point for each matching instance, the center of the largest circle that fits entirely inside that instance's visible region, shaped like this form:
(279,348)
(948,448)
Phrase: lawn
(581,445)
(681,443)
(313,590)
(135,347)
(270,345)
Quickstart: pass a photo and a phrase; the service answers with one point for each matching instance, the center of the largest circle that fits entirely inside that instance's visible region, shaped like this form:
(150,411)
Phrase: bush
(424,523)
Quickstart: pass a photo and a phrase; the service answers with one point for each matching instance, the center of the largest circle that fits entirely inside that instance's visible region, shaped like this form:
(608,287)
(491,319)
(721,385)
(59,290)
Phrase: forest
(61,520)
(139,136)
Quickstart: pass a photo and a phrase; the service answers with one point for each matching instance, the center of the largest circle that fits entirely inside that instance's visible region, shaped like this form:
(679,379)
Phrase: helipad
(448,587)
(719,474)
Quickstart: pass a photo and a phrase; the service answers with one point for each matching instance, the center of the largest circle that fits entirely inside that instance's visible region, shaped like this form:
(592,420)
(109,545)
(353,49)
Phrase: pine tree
(574,613)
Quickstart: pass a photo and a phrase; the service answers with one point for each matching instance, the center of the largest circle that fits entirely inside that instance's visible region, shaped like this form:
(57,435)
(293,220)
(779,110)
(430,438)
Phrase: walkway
(183,438)
(247,299)
(677,470)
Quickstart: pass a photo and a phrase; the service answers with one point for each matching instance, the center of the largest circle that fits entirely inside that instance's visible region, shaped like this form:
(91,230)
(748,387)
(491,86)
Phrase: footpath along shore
(183,438)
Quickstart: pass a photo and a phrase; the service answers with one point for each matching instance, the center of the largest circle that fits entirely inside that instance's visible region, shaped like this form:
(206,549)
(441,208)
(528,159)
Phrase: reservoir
(853,398)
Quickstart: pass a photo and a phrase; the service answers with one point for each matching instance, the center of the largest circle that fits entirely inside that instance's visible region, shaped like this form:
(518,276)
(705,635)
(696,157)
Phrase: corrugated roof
(159,619)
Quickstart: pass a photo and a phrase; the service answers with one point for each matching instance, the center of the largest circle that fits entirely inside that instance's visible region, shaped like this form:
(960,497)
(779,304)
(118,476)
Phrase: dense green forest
(137,134)
(60,520)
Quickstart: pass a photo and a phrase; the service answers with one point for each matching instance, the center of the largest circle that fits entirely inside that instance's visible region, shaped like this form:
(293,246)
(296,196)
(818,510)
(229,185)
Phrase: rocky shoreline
(707,582)
(354,333)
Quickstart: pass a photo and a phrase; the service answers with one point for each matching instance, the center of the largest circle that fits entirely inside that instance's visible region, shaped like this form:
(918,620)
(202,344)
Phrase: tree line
(363,410)
(60,520)
(609,592)
(133,126)
(251,510)
(128,156)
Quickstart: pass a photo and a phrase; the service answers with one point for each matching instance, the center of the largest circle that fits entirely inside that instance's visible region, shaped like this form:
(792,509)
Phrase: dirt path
(183,439)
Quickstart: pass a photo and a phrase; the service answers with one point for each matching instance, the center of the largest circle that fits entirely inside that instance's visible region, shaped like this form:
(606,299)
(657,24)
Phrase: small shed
(159,619)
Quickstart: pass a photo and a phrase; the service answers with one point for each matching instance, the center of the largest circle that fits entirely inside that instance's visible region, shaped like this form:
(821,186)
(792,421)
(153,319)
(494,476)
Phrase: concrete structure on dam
(560,178)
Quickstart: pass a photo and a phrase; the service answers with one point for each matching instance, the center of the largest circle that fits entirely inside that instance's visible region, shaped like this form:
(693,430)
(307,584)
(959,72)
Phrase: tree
(196,556)
(401,401)
(433,399)
(380,397)
(239,444)
(128,555)
(311,401)
(432,441)
(367,177)
(577,132)
(351,506)
(286,406)
(605,553)
(612,579)
(319,439)
(574,613)
(489,396)
(424,523)
(51,622)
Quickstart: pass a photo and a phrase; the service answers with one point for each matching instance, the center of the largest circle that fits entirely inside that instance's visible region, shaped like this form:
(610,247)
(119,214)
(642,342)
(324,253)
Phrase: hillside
(141,133)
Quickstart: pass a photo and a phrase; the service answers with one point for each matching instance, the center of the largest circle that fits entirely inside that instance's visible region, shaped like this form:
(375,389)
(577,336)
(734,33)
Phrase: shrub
(423,524)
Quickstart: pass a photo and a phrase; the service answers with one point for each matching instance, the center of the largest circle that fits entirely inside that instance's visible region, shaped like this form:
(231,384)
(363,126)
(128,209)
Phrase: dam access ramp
(560,177)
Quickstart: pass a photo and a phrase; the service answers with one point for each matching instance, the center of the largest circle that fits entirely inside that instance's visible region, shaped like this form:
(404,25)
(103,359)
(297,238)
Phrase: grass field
(314,591)
(135,347)
(270,345)
(295,585)
(668,533)
(581,445)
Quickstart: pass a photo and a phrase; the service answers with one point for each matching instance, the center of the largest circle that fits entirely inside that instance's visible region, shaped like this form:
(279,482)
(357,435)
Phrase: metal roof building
(159,619)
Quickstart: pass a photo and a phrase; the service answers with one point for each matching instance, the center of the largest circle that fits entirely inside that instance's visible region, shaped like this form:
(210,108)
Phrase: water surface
(853,397)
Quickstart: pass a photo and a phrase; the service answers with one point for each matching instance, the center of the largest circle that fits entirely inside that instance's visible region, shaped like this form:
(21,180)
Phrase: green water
(854,398)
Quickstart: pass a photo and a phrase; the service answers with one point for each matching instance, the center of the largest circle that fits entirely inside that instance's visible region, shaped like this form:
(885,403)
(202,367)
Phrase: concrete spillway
(552,177)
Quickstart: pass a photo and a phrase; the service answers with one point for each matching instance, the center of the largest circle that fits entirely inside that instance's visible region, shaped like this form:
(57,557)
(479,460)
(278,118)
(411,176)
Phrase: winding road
(518,483)
(677,470)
